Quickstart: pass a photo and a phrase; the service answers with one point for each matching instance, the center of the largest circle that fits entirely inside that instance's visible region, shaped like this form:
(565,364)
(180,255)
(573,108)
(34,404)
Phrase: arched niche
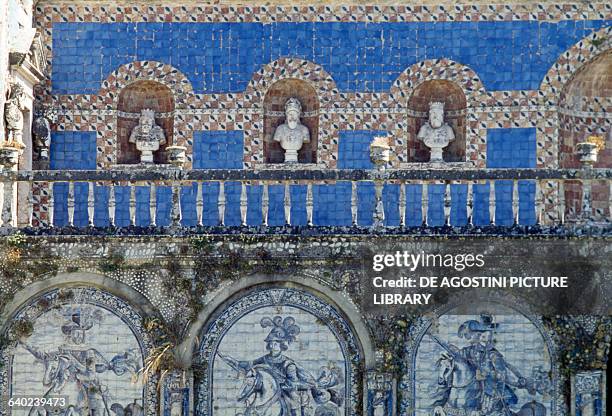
(82,343)
(584,102)
(455,107)
(324,346)
(134,98)
(274,115)
(484,335)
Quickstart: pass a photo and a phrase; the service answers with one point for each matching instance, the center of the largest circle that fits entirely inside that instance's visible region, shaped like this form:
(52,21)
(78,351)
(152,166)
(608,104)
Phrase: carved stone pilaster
(9,157)
(589,393)
(380,394)
(175,394)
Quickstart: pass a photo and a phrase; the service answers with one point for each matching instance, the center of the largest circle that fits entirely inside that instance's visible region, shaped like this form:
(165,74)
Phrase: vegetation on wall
(21,260)
(391,335)
(581,349)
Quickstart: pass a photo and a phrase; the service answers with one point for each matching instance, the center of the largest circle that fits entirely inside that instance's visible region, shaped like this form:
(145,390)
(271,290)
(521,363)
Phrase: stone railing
(35,189)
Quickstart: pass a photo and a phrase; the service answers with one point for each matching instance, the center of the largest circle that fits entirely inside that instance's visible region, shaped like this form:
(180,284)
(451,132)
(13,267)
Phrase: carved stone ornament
(41,131)
(292,134)
(147,136)
(380,151)
(436,134)
(13,116)
(176,155)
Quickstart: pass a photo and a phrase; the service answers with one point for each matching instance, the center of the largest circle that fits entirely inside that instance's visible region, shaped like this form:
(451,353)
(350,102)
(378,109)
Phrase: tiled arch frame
(55,297)
(408,384)
(562,71)
(570,62)
(472,87)
(125,75)
(327,92)
(277,295)
(547,123)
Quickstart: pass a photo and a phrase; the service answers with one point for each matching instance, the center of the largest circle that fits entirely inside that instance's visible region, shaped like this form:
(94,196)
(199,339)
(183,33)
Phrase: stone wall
(213,294)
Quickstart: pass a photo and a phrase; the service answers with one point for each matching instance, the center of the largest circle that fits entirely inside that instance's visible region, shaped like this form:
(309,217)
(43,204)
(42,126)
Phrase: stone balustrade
(550,191)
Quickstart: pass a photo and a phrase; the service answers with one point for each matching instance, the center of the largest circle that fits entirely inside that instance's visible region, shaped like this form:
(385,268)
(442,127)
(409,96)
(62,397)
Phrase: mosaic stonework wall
(302,356)
(286,315)
(87,346)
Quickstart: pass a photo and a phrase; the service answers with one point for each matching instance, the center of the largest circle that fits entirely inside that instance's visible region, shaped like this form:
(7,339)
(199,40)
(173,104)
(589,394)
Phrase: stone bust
(292,134)
(436,134)
(13,115)
(147,136)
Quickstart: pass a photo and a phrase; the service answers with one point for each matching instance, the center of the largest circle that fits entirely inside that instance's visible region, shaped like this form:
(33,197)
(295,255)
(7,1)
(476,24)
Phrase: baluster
(610,202)
(175,212)
(309,204)
(515,201)
(199,205)
(562,202)
(470,203)
(379,210)
(50,204)
(492,202)
(221,203)
(402,204)
(31,204)
(244,204)
(287,204)
(354,202)
(90,204)
(447,204)
(538,202)
(424,202)
(70,204)
(153,205)
(587,206)
(264,204)
(2,203)
(7,208)
(111,205)
(132,204)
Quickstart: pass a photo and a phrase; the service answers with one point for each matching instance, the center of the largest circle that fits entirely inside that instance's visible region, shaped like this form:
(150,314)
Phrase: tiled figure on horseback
(275,385)
(477,380)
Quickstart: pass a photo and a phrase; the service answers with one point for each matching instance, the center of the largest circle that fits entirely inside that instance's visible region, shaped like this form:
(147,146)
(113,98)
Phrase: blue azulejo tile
(218,149)
(225,55)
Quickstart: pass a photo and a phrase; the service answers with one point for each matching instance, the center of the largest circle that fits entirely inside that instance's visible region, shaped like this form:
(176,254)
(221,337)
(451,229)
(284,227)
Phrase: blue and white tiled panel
(516,339)
(75,347)
(316,347)
(507,148)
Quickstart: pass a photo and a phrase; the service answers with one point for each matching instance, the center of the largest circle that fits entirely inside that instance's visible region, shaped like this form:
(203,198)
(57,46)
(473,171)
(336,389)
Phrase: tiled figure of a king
(279,359)
(483,364)
(82,351)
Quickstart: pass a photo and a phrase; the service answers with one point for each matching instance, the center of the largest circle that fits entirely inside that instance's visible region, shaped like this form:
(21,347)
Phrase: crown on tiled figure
(436,105)
(293,104)
(147,113)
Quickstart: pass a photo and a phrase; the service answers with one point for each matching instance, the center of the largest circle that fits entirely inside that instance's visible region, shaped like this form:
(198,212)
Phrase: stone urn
(380,151)
(589,150)
(176,155)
